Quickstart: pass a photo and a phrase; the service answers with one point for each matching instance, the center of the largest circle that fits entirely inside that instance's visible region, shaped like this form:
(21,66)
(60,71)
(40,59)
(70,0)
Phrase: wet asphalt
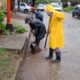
(35,67)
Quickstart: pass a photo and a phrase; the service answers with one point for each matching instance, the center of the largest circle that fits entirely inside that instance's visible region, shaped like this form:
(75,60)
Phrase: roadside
(10,60)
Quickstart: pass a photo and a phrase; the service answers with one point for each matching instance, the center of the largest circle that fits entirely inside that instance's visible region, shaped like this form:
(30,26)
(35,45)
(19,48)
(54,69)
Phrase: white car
(78,5)
(57,6)
(23,7)
(41,7)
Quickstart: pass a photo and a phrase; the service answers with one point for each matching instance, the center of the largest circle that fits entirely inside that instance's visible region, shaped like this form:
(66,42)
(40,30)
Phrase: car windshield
(41,5)
(55,5)
(22,4)
(77,8)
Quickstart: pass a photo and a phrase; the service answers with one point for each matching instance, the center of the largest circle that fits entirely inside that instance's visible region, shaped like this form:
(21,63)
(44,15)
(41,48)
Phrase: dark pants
(57,52)
(36,42)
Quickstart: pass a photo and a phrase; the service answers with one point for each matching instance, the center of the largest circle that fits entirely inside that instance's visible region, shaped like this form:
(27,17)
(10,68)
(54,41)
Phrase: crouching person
(38,29)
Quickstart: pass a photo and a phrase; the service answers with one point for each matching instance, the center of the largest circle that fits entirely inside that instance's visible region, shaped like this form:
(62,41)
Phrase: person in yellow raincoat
(55,31)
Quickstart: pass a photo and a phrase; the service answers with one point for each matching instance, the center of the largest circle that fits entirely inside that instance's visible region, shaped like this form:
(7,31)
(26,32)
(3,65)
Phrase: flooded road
(35,67)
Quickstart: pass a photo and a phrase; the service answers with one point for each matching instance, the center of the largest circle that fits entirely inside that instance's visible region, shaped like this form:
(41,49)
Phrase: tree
(3,4)
(18,1)
(70,0)
(64,0)
(12,5)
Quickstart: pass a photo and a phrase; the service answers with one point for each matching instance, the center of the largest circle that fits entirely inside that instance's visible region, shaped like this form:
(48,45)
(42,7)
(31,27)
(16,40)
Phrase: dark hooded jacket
(39,28)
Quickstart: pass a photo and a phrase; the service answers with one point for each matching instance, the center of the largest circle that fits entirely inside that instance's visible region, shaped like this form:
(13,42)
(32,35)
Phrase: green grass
(19,29)
(68,9)
(4,59)
(2,27)
(4,63)
(7,64)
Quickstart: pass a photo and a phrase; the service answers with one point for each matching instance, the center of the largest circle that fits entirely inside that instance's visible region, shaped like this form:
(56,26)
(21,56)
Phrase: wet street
(35,67)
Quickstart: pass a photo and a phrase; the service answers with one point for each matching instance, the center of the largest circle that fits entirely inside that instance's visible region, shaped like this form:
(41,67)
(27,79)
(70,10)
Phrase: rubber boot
(50,54)
(58,57)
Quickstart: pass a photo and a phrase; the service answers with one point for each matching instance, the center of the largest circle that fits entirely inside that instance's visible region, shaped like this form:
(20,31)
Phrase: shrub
(68,9)
(2,51)
(1,16)
(2,27)
(19,29)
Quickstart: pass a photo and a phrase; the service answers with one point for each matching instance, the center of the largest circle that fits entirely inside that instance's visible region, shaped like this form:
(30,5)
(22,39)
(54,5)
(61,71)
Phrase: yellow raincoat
(55,28)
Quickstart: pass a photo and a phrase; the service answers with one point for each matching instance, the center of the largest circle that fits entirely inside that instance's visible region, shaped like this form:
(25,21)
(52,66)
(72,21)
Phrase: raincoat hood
(49,8)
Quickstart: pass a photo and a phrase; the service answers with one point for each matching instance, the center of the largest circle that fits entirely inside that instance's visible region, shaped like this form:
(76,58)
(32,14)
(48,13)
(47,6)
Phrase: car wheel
(42,10)
(25,11)
(78,16)
(73,15)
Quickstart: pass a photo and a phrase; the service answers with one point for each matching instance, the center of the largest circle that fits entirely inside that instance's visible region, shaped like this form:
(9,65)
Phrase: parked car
(78,5)
(41,7)
(57,6)
(23,7)
(76,11)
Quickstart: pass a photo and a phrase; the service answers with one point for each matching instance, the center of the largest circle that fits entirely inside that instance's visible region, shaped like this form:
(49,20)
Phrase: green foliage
(2,51)
(46,1)
(70,0)
(68,9)
(6,32)
(64,0)
(1,16)
(3,4)
(19,29)
(2,27)
(7,63)
(3,59)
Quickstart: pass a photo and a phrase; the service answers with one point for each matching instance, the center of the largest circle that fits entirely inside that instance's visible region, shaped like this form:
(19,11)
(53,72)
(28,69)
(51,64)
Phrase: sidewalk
(15,41)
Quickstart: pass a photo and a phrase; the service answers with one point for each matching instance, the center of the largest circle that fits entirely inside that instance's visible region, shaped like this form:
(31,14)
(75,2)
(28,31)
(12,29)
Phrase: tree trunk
(33,3)
(18,1)
(12,5)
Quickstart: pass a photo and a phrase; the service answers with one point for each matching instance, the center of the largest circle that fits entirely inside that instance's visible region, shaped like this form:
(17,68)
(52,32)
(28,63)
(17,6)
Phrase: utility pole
(9,25)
